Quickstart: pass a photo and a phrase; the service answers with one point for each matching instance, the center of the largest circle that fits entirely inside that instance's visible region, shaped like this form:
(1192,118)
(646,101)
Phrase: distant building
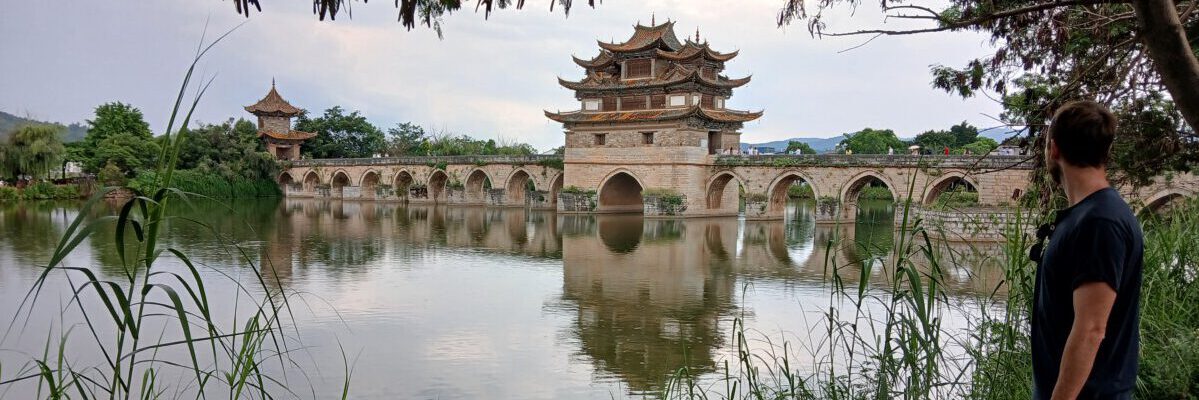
(274,125)
(765,150)
(1007,150)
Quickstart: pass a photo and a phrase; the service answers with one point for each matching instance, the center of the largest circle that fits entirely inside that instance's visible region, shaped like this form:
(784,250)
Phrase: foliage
(230,150)
(111,175)
(803,148)
(128,152)
(555,163)
(577,190)
(981,146)
(405,139)
(426,12)
(119,133)
(957,198)
(44,190)
(871,141)
(9,194)
(31,150)
(9,123)
(756,197)
(340,135)
(876,192)
(803,191)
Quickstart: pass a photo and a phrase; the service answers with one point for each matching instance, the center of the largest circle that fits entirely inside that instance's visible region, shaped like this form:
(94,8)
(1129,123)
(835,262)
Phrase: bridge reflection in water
(647,296)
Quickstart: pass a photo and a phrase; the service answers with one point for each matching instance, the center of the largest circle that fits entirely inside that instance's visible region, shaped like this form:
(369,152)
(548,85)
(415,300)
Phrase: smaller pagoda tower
(274,125)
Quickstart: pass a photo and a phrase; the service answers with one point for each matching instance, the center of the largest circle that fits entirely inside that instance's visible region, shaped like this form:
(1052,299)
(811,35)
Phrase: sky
(486,78)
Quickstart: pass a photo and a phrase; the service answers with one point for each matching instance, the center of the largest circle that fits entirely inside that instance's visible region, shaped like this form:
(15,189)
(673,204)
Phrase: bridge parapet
(988,162)
(429,160)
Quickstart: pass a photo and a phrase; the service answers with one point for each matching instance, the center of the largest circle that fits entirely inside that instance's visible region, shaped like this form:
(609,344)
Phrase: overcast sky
(492,79)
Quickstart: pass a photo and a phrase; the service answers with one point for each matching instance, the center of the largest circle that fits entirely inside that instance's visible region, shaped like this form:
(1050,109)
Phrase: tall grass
(210,184)
(153,326)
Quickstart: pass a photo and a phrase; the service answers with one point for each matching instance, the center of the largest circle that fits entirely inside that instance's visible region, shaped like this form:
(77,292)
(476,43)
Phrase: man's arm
(1092,305)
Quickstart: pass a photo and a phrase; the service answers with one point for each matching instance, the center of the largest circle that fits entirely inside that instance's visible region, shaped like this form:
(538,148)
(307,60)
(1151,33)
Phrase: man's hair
(1083,132)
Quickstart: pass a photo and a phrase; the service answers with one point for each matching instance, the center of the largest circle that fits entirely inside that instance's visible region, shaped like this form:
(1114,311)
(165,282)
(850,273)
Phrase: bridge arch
(777,190)
(436,185)
(555,188)
(1162,200)
(518,186)
(476,181)
(853,187)
(311,180)
(338,182)
(285,179)
(948,182)
(620,191)
(401,182)
(369,182)
(718,196)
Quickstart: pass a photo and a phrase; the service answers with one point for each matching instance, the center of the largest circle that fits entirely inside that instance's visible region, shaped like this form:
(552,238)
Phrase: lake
(473,302)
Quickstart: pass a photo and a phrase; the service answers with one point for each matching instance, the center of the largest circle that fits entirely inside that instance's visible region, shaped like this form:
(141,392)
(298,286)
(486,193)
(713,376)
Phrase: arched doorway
(621,193)
(370,184)
(952,191)
(518,188)
(311,181)
(1161,203)
(721,197)
(869,185)
(476,185)
(339,182)
(401,183)
(436,186)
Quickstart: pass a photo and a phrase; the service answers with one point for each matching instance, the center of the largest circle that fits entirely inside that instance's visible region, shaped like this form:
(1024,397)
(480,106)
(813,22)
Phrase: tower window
(647,138)
(601,139)
(632,103)
(639,68)
(609,104)
(591,105)
(657,101)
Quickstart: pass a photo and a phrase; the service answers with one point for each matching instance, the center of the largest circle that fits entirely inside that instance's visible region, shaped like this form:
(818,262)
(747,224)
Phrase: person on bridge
(1085,321)
(946,150)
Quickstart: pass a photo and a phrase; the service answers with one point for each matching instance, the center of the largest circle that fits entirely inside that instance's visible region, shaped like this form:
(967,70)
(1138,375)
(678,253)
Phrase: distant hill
(825,145)
(71,133)
(819,144)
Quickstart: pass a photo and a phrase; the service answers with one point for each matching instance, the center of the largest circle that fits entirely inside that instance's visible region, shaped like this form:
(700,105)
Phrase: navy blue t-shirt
(1096,240)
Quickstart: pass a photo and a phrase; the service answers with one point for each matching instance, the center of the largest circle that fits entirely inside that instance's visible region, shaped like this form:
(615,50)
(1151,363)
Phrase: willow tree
(33,150)
(1134,56)
(411,12)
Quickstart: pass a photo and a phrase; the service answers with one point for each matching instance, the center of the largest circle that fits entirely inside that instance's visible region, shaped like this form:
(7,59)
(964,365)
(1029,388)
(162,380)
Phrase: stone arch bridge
(756,186)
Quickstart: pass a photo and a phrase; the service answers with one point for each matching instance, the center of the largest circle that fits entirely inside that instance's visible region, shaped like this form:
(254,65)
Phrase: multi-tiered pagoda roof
(654,76)
(273,106)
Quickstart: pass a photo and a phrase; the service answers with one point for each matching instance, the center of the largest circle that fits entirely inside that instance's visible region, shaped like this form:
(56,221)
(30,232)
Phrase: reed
(153,324)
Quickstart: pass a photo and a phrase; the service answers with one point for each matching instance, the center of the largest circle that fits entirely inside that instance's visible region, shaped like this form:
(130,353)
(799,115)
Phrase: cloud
(486,78)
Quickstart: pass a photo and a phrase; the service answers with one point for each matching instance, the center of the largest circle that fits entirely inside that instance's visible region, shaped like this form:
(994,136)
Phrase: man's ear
(1051,150)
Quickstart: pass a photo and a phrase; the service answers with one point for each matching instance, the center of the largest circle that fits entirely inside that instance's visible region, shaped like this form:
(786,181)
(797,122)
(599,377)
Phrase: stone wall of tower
(274,123)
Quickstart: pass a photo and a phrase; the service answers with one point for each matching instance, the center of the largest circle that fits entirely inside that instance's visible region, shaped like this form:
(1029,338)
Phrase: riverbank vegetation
(893,342)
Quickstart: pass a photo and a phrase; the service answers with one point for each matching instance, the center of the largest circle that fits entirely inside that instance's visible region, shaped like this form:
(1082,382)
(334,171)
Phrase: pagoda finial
(653,19)
(697,34)
(272,82)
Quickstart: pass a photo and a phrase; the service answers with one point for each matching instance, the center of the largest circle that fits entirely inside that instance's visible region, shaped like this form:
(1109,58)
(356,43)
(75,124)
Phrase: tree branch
(978,20)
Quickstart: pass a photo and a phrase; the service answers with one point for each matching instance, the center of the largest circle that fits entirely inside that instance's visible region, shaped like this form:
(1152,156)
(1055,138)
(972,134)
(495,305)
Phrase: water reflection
(635,299)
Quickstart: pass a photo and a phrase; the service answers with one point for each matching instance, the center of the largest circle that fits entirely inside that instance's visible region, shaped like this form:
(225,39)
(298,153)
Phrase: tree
(801,146)
(32,150)
(112,120)
(1122,53)
(871,141)
(405,139)
(983,145)
(231,149)
(127,151)
(963,134)
(935,140)
(341,135)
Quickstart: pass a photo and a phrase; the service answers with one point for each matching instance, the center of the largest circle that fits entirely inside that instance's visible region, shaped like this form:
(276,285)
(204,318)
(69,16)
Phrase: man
(1085,323)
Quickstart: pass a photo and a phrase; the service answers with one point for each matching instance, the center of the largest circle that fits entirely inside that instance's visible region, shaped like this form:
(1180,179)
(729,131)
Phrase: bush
(9,193)
(40,191)
(211,185)
(800,191)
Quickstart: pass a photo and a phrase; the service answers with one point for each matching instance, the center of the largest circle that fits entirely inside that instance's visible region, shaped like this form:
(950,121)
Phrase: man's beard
(1055,172)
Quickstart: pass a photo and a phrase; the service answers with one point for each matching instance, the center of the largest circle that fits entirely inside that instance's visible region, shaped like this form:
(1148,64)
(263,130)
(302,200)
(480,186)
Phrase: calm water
(472,302)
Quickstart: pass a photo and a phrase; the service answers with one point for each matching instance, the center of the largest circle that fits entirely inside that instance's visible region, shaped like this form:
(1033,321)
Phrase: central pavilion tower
(651,116)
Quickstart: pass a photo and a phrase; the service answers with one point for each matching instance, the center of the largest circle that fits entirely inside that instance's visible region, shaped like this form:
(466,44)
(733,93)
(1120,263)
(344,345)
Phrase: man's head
(1080,136)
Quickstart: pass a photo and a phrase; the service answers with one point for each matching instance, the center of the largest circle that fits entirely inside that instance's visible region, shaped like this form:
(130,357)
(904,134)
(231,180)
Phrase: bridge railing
(984,162)
(427,160)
